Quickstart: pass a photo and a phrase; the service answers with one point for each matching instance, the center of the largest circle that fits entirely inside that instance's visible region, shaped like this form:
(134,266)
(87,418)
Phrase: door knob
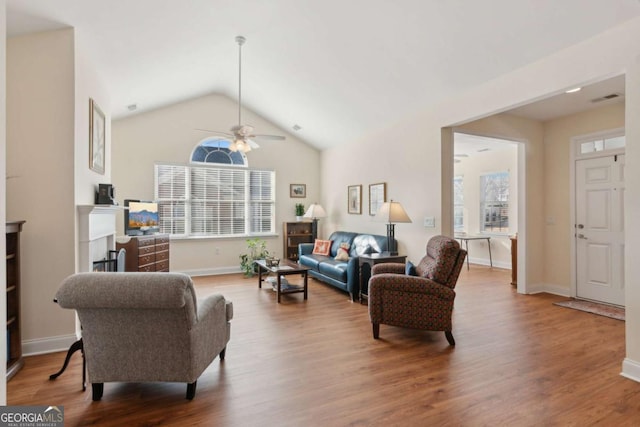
(581,236)
(580,226)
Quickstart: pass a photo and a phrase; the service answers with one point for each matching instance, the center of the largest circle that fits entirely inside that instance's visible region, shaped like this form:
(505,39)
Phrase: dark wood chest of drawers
(147,253)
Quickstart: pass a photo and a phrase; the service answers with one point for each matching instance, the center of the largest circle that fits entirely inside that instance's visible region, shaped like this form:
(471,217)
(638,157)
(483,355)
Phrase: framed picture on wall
(96,137)
(298,190)
(354,199)
(377,196)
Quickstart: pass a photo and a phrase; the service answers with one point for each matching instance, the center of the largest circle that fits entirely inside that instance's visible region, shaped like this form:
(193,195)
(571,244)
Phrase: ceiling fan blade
(269,137)
(217,132)
(252,144)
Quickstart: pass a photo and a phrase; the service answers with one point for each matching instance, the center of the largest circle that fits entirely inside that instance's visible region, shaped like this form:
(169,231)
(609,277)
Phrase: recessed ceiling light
(574,90)
(132,107)
(296,127)
(483,150)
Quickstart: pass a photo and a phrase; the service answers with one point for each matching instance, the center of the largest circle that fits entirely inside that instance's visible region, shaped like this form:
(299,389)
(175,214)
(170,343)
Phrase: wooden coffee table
(285,268)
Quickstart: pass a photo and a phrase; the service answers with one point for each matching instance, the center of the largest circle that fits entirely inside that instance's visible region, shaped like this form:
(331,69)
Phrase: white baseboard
(487,262)
(210,271)
(549,289)
(631,369)
(47,345)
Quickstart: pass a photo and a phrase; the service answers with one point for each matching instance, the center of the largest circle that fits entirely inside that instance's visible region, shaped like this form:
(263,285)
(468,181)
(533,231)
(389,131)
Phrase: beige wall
(558,228)
(88,85)
(40,153)
(502,157)
(3,203)
(168,135)
(49,83)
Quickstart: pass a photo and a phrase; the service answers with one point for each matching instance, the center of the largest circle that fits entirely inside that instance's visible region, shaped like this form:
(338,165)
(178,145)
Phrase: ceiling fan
(242,136)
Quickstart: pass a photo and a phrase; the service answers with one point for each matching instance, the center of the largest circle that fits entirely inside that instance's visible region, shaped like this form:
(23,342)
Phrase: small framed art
(96,137)
(377,196)
(354,199)
(298,190)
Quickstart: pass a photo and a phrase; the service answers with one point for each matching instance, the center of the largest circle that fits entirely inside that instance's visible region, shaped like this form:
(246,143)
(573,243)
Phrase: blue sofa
(344,275)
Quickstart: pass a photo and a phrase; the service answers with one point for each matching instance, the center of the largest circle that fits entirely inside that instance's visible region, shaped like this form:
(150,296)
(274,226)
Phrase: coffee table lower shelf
(286,268)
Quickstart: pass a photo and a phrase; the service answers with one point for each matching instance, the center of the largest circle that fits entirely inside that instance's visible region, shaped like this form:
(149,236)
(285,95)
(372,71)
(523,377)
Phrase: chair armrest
(388,267)
(305,249)
(407,284)
(209,336)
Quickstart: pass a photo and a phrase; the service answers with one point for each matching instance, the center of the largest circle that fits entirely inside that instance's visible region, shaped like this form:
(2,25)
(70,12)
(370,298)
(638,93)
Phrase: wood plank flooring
(519,361)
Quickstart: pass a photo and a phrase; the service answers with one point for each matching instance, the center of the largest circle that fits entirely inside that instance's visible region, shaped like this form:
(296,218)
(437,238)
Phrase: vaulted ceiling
(339,69)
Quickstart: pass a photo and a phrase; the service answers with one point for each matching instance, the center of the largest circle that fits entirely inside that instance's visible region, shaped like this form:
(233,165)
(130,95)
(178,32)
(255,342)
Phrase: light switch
(429,221)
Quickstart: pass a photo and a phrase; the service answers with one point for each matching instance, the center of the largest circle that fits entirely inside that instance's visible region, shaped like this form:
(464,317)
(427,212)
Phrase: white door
(600,229)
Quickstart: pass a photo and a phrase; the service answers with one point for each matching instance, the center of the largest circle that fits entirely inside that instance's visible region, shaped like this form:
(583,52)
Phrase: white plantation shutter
(219,201)
(261,201)
(171,182)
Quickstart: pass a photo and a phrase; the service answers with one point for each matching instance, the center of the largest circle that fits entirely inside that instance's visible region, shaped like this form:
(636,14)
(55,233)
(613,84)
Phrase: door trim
(573,158)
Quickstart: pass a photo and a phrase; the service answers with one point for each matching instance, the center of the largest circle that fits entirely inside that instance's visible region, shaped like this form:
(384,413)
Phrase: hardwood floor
(519,361)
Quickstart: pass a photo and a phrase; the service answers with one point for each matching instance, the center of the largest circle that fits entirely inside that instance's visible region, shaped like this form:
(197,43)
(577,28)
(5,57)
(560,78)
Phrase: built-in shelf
(14,338)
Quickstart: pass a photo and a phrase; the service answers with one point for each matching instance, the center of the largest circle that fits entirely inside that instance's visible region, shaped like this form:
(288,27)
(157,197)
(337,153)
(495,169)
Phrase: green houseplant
(299,211)
(257,250)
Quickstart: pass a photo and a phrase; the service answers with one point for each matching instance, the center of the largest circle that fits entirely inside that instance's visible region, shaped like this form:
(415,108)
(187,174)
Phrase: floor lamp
(314,212)
(392,213)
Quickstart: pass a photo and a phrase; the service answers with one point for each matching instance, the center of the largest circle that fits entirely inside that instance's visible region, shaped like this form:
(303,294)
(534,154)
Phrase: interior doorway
(485,197)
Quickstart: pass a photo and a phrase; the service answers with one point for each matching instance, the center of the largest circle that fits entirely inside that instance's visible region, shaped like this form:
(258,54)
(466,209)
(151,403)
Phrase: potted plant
(299,211)
(257,250)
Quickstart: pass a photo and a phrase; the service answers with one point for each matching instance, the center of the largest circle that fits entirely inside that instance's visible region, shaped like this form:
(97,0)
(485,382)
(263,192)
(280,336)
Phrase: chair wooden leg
(97,390)
(191,390)
(449,336)
(222,353)
(376,330)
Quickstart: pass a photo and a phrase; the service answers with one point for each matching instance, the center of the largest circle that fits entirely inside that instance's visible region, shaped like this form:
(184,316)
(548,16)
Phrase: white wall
(503,157)
(412,170)
(168,135)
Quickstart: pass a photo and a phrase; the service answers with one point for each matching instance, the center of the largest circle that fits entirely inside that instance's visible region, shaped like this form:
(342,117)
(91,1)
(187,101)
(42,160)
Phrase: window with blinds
(215,201)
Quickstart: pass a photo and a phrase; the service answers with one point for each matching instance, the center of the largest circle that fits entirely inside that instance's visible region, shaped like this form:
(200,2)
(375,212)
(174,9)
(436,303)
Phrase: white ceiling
(340,69)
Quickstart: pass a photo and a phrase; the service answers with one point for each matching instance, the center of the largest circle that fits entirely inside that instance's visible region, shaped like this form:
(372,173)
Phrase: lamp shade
(315,211)
(392,212)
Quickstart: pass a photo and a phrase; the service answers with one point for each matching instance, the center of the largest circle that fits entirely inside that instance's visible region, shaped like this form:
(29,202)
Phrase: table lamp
(391,213)
(315,211)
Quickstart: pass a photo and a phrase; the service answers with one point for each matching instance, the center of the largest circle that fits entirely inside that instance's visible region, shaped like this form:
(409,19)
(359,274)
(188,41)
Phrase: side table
(366,263)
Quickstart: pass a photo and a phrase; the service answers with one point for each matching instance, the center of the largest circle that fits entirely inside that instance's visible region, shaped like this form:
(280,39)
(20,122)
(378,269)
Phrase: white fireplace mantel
(96,233)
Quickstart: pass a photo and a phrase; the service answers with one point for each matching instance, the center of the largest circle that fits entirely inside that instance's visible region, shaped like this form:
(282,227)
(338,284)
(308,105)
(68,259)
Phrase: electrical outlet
(429,221)
(217,251)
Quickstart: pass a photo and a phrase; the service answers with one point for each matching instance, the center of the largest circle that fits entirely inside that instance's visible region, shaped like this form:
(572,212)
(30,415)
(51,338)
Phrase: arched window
(216,195)
(216,150)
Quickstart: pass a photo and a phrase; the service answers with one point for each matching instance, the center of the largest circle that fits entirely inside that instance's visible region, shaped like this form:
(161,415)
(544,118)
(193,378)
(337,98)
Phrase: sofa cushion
(334,269)
(312,261)
(322,247)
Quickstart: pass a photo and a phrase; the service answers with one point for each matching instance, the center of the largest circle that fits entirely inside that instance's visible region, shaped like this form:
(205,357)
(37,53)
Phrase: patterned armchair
(423,301)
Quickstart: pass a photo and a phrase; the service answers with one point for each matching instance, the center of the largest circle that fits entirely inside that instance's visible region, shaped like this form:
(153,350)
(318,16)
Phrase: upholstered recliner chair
(146,327)
(422,299)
